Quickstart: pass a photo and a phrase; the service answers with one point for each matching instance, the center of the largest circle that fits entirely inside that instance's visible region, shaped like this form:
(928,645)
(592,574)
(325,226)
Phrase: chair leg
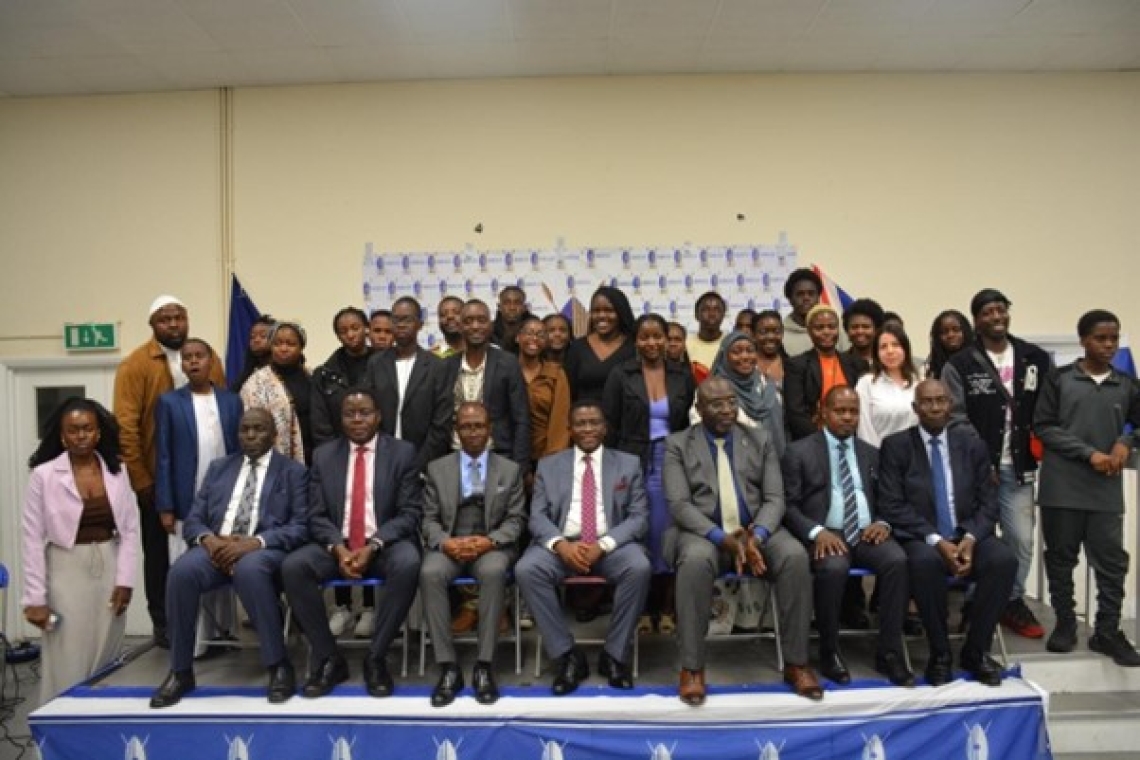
(518,632)
(774,602)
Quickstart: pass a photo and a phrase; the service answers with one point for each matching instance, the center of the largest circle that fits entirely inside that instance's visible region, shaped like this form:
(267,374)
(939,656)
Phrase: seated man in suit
(240,528)
(937,491)
(364,519)
(725,493)
(474,513)
(831,484)
(581,529)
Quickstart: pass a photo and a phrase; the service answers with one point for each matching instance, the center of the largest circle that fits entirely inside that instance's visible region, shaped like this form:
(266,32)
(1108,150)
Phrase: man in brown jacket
(150,370)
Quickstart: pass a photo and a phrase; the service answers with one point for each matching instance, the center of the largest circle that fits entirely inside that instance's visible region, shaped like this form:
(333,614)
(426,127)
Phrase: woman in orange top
(809,376)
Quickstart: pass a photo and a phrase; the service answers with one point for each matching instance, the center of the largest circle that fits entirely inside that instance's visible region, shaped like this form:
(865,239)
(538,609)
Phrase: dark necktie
(850,503)
(356,507)
(589,503)
(246,502)
(941,493)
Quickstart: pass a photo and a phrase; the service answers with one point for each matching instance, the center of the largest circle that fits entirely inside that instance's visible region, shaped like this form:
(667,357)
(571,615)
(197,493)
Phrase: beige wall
(916,190)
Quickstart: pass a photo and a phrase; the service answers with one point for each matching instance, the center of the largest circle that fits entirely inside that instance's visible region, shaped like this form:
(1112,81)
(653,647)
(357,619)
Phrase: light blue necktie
(941,494)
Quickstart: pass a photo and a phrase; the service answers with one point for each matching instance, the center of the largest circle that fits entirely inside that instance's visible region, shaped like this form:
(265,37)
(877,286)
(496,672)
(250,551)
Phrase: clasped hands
(958,557)
(578,555)
(744,548)
(225,551)
(1112,463)
(353,562)
(466,548)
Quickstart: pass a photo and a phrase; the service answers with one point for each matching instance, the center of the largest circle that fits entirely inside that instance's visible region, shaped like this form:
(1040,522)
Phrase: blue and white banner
(960,721)
(664,279)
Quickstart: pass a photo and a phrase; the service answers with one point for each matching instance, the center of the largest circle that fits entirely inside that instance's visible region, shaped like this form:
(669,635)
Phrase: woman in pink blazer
(81,544)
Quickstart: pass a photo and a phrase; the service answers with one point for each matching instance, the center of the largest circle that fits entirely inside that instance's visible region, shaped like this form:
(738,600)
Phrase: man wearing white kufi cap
(149,371)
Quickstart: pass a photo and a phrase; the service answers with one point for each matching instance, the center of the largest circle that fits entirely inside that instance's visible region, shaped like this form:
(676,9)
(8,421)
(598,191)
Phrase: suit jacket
(52,508)
(504,500)
(142,377)
(176,444)
(504,395)
(807,482)
(625,402)
(425,420)
(397,492)
(906,491)
(803,385)
(282,508)
(623,494)
(690,478)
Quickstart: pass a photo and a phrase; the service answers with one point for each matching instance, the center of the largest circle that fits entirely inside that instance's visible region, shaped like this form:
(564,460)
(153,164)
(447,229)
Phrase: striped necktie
(850,503)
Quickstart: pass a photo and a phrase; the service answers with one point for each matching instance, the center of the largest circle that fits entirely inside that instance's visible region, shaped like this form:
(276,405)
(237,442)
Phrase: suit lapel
(490,488)
(226,486)
(490,363)
(959,471)
(824,460)
(339,472)
(381,476)
(186,406)
(699,449)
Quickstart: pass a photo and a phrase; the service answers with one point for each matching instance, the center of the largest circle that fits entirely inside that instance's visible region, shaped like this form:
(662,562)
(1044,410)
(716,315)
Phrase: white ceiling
(51,47)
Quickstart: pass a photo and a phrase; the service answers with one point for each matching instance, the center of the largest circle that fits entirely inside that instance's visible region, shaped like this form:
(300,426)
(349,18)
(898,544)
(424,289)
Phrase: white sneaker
(364,624)
(341,621)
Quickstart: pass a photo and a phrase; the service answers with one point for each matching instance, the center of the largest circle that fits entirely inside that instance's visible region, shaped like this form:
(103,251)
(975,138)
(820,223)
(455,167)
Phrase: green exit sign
(93,336)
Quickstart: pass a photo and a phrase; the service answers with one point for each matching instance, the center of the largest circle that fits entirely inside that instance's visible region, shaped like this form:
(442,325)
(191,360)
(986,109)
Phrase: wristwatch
(376,544)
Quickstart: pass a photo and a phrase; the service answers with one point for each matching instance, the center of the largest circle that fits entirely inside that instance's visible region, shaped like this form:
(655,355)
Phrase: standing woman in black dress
(609,342)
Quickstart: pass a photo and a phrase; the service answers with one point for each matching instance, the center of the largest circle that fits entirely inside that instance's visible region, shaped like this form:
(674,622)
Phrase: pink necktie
(589,504)
(356,509)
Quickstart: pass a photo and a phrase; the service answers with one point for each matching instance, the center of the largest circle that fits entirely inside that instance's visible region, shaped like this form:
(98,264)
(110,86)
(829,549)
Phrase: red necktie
(589,504)
(356,509)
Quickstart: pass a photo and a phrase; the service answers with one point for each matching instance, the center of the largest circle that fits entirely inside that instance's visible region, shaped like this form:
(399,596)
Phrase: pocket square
(622,485)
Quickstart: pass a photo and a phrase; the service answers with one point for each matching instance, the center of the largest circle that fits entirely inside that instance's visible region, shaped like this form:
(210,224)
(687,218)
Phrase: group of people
(787,449)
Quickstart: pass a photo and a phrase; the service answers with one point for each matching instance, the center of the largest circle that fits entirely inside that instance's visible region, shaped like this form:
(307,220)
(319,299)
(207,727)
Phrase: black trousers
(889,563)
(1102,534)
(156,562)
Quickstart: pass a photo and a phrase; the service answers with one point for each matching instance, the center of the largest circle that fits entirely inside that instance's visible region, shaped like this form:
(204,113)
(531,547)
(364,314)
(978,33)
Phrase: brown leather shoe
(803,681)
(692,689)
(465,620)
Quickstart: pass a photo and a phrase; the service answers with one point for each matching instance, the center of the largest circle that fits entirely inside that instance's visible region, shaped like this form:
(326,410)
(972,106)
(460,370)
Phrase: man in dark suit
(365,502)
(725,493)
(831,484)
(588,516)
(486,373)
(240,528)
(408,381)
(936,491)
(474,513)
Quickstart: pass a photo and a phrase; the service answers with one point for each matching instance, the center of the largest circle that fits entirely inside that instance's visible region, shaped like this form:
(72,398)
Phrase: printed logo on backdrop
(658,278)
(341,748)
(977,744)
(135,748)
(239,748)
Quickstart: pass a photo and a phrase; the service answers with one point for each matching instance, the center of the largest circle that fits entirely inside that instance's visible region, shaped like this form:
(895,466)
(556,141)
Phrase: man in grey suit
(581,529)
(831,483)
(474,512)
(714,533)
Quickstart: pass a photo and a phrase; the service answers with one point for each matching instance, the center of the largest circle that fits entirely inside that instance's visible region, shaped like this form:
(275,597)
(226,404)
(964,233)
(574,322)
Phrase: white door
(29,390)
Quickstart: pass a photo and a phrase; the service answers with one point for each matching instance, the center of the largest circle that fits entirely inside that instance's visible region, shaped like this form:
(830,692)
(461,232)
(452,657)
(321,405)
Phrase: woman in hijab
(757,397)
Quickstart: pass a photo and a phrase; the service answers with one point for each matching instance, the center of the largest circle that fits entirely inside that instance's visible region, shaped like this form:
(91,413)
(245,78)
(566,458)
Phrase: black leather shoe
(572,670)
(891,665)
(833,668)
(377,680)
(483,681)
(939,670)
(982,667)
(282,682)
(324,679)
(448,686)
(617,672)
(177,684)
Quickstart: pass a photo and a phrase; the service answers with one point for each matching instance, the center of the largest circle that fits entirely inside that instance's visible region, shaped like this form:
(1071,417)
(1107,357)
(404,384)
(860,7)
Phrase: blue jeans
(1015,502)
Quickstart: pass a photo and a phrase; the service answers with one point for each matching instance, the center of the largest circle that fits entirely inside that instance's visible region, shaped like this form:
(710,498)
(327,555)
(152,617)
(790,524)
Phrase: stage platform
(749,714)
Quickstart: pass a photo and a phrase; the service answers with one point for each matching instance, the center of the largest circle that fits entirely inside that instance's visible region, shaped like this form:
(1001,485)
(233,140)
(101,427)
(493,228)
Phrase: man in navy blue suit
(194,425)
(937,493)
(366,499)
(249,513)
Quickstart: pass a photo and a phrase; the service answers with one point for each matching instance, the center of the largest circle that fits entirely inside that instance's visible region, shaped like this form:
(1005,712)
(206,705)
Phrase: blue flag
(243,314)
